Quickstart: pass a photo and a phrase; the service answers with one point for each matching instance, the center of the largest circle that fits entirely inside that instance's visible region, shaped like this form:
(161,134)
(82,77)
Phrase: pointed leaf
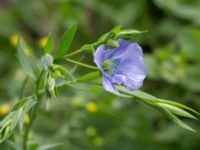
(65,42)
(49,44)
(177,111)
(49,146)
(90,76)
(178,105)
(178,121)
(24,61)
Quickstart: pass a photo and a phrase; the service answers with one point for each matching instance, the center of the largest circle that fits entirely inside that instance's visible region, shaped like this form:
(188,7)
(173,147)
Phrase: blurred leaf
(178,121)
(90,76)
(129,32)
(189,44)
(167,107)
(178,105)
(14,145)
(49,44)
(49,146)
(65,42)
(192,80)
(177,110)
(47,61)
(24,61)
(189,11)
(33,146)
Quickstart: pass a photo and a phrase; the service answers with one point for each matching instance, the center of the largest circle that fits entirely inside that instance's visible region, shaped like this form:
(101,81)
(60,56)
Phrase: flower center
(107,66)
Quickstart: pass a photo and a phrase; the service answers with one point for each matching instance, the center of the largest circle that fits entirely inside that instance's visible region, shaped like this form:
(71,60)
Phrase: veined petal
(125,63)
(108,86)
(131,85)
(99,56)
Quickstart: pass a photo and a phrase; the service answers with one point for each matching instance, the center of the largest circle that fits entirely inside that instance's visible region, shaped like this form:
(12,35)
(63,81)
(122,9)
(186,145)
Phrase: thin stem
(73,53)
(81,64)
(33,114)
(94,45)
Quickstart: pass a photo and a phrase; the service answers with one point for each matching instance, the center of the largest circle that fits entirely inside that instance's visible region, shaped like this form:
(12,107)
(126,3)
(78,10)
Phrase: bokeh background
(93,119)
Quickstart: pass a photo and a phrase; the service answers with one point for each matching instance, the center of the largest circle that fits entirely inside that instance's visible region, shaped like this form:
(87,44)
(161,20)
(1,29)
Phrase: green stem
(94,45)
(33,114)
(73,53)
(81,64)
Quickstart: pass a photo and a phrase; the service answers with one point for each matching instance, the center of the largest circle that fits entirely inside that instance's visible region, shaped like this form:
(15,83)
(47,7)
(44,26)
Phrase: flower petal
(132,84)
(99,56)
(131,61)
(108,86)
(130,65)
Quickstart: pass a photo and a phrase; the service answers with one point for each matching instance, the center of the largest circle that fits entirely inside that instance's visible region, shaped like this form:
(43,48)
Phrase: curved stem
(81,64)
(33,114)
(73,53)
(94,45)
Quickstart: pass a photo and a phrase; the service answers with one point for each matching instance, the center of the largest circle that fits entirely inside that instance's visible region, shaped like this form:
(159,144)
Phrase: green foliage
(24,61)
(15,117)
(49,44)
(91,118)
(65,42)
(171,109)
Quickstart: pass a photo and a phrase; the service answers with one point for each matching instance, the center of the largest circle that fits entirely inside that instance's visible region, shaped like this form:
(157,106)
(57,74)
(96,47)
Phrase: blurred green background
(93,119)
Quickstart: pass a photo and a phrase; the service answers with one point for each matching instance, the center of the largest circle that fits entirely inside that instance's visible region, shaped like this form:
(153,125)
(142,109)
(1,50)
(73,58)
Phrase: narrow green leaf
(49,146)
(178,121)
(129,32)
(49,44)
(33,146)
(65,42)
(13,144)
(178,105)
(90,76)
(177,111)
(24,61)
(138,93)
(116,29)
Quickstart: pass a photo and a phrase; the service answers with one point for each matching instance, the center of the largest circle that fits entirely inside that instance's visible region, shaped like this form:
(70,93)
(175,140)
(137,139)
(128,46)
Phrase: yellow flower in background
(26,119)
(43,41)
(4,109)
(91,107)
(14,39)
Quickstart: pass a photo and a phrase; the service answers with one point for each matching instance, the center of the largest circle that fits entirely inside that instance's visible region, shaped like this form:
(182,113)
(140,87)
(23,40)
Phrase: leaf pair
(60,52)
(64,44)
(169,107)
(15,117)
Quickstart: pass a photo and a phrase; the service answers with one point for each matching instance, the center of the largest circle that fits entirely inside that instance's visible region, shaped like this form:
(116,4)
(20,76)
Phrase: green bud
(47,61)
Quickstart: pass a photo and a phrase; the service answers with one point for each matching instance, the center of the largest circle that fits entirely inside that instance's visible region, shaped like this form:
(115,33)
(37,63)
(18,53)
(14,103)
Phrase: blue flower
(123,65)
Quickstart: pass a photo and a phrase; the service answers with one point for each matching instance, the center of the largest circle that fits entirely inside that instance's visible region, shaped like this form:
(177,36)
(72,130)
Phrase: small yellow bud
(26,119)
(4,109)
(43,41)
(13,39)
(91,107)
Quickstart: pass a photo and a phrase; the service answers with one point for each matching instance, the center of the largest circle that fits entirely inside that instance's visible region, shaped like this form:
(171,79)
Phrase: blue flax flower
(123,65)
